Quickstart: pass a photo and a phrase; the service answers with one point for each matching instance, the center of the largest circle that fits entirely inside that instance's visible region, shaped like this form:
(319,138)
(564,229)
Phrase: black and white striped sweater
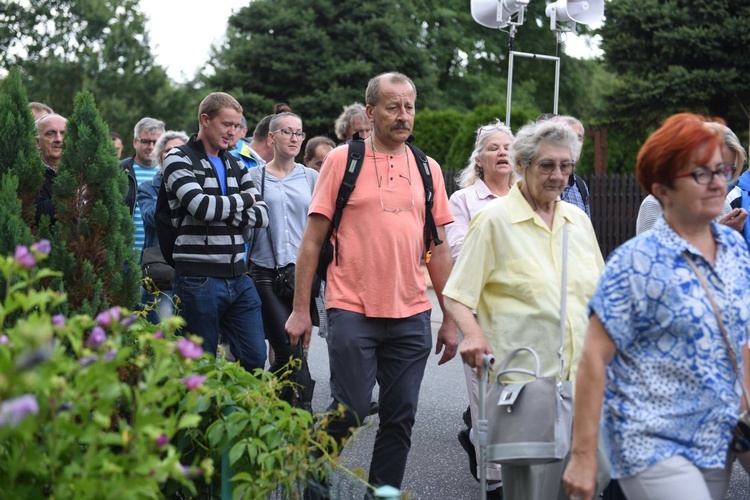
(214,227)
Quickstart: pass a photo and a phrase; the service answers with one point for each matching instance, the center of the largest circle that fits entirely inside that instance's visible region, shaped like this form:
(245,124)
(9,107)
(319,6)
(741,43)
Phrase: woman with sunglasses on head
(510,271)
(286,186)
(657,359)
(487,176)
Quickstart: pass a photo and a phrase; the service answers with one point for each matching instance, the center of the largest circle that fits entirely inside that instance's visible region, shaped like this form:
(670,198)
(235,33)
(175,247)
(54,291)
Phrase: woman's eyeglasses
(546,167)
(704,175)
(288,133)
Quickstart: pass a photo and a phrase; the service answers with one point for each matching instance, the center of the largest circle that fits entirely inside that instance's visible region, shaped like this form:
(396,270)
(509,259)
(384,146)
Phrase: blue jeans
(393,351)
(160,305)
(230,305)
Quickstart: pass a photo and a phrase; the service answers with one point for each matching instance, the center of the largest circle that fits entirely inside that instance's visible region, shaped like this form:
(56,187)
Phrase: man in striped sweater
(215,206)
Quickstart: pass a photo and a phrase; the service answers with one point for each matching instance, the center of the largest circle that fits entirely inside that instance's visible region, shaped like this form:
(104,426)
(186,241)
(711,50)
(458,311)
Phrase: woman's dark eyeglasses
(288,133)
(704,175)
(546,167)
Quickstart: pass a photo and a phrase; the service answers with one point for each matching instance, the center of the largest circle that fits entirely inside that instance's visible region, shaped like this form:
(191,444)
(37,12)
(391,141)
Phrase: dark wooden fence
(614,199)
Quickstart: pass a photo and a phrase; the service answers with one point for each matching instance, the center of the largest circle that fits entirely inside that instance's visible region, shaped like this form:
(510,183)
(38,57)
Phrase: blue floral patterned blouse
(671,389)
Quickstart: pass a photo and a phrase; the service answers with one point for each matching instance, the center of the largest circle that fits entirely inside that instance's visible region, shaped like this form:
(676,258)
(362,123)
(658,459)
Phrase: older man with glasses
(141,167)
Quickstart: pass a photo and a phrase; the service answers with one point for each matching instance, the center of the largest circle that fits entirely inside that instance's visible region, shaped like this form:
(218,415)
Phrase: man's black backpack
(329,251)
(165,232)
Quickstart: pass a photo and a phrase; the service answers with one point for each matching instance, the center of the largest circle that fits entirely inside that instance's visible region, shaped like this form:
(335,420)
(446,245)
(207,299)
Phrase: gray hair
(734,145)
(372,94)
(470,173)
(42,118)
(163,140)
(570,120)
(148,125)
(528,140)
(346,119)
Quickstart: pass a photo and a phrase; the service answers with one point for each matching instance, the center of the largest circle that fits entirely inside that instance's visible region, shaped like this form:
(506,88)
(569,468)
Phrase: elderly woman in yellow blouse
(510,271)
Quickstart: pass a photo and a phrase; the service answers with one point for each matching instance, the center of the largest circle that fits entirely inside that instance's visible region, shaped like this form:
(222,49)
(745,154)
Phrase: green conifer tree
(21,169)
(92,240)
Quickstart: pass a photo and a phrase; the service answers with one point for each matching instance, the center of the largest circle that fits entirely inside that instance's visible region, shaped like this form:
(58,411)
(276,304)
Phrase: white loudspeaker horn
(495,13)
(578,11)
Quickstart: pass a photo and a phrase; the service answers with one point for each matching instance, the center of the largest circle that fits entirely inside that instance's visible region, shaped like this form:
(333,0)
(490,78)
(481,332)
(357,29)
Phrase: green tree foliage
(678,56)
(63,46)
(21,167)
(317,56)
(92,240)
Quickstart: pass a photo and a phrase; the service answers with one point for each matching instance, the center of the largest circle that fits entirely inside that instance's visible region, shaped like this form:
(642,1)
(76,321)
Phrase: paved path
(438,466)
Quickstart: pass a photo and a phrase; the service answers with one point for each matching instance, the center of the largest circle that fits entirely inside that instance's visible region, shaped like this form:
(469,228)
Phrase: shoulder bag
(530,422)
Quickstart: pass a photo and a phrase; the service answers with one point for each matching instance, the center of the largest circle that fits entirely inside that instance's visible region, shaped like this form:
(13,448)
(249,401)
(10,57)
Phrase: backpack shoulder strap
(582,188)
(430,229)
(353,167)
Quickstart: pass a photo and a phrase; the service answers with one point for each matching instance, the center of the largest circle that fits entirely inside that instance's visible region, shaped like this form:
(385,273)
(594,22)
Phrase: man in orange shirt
(378,310)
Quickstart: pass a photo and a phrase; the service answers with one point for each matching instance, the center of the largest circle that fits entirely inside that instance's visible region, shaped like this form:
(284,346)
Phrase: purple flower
(58,320)
(162,440)
(158,334)
(23,257)
(189,349)
(14,410)
(4,339)
(129,320)
(189,472)
(88,360)
(96,337)
(42,246)
(106,318)
(193,381)
(110,355)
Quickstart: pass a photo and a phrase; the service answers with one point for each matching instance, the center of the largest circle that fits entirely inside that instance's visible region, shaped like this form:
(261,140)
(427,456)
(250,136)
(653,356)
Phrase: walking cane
(481,435)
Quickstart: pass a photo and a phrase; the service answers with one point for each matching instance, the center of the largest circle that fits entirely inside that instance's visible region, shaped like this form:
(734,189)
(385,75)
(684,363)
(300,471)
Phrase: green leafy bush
(111,407)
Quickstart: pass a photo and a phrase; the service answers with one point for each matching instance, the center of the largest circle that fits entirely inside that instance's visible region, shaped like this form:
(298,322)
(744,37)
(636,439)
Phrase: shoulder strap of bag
(730,351)
(582,188)
(310,178)
(563,300)
(430,229)
(353,167)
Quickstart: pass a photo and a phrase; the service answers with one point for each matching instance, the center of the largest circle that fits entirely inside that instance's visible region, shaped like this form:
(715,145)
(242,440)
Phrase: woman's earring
(480,170)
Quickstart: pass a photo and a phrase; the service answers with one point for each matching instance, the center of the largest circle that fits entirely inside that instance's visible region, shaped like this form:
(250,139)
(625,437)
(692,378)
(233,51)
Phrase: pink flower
(4,339)
(110,355)
(96,337)
(106,318)
(189,349)
(193,381)
(42,246)
(162,440)
(14,410)
(23,257)
(158,334)
(58,320)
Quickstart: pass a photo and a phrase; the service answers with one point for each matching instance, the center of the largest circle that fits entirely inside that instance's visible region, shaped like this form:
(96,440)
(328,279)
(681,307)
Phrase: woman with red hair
(656,360)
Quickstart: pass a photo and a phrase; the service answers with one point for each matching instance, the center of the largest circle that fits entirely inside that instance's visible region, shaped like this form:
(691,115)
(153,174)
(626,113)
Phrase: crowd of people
(655,341)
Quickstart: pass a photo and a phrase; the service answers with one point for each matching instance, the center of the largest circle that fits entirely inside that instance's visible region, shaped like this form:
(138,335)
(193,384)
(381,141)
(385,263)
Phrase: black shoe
(495,494)
(463,438)
(374,408)
(467,417)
